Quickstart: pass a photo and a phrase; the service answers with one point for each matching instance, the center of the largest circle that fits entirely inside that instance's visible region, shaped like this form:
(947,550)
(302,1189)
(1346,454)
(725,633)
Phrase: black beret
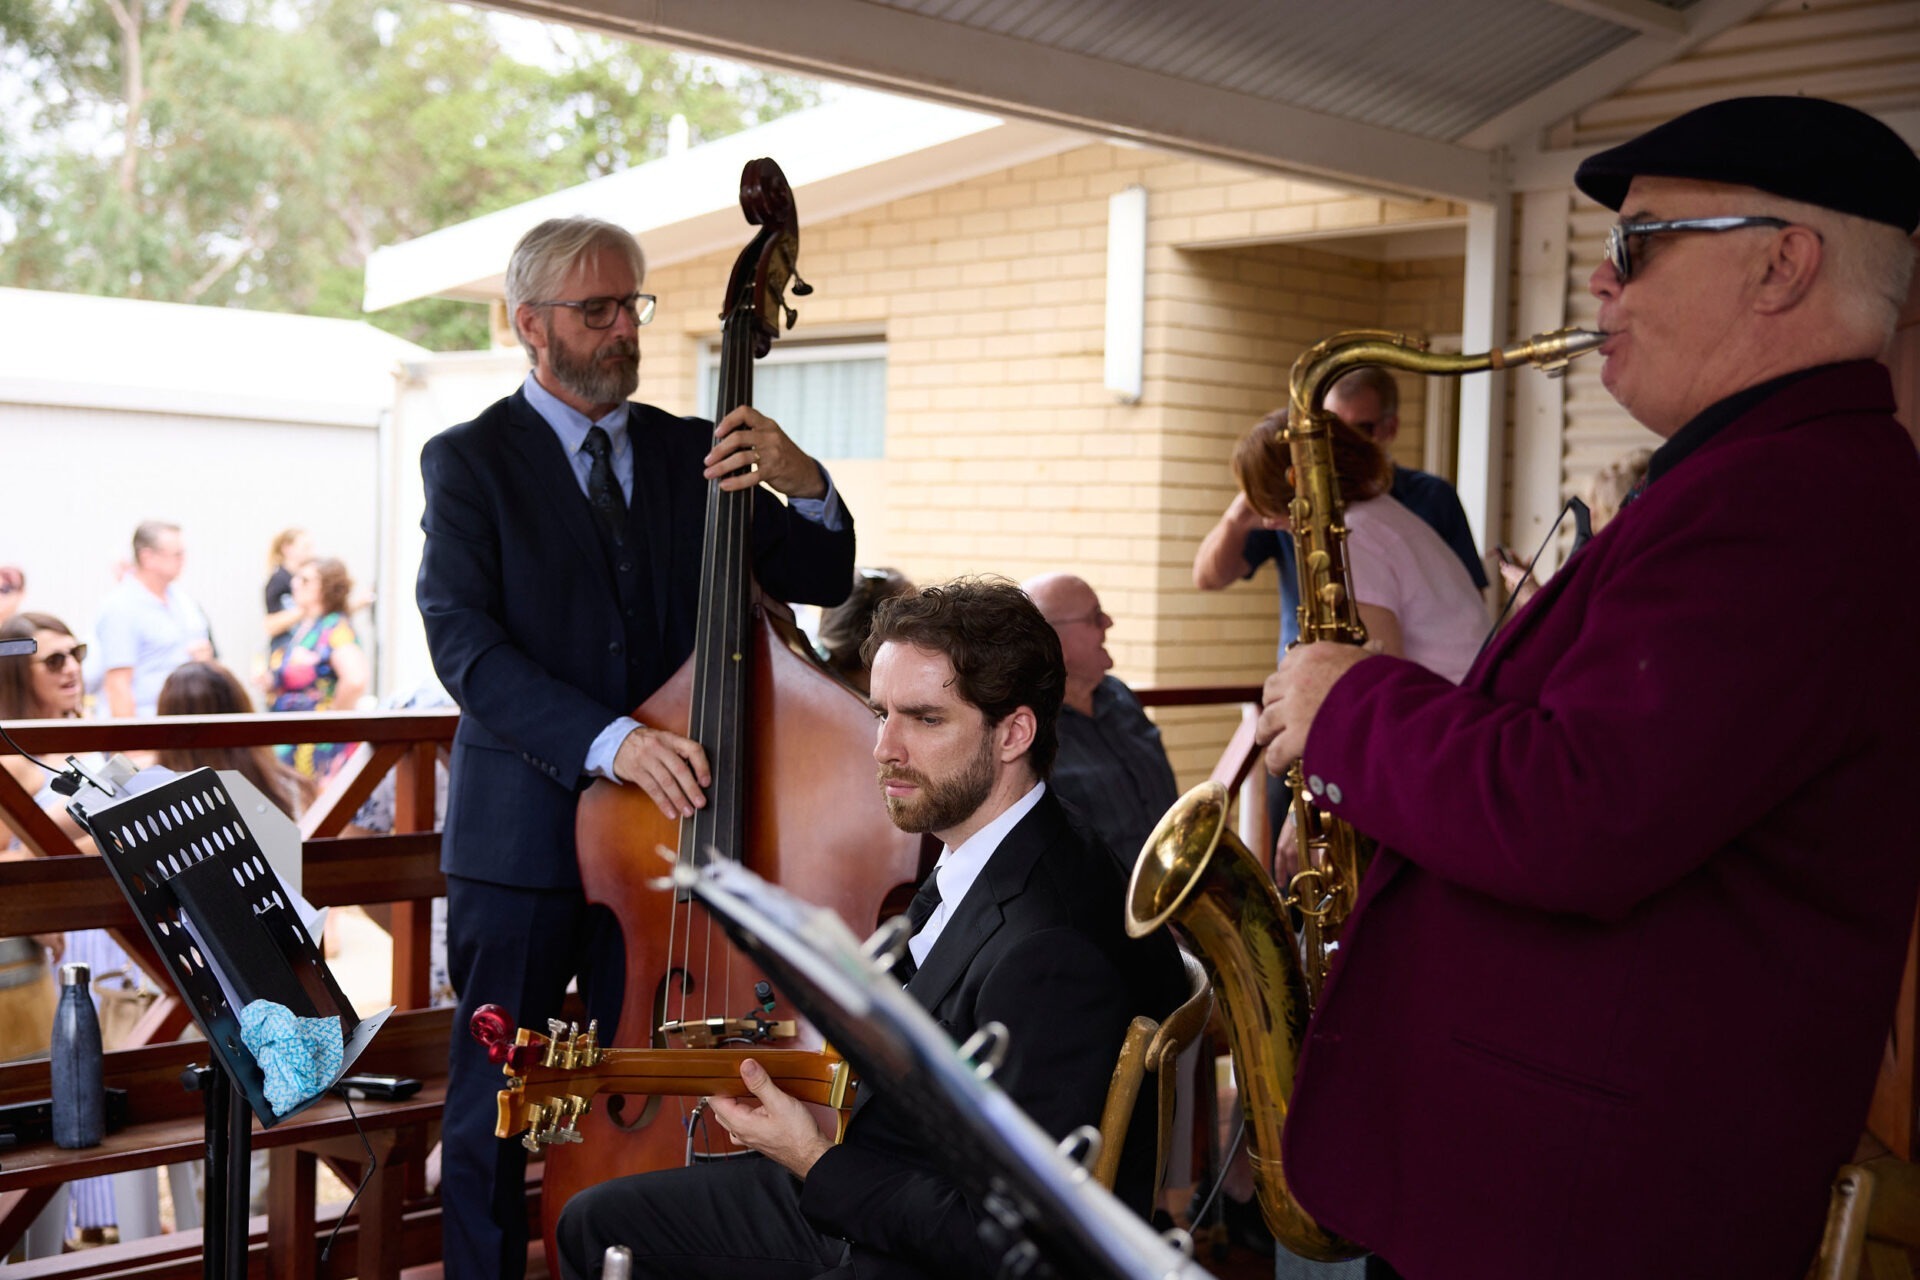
(1806,149)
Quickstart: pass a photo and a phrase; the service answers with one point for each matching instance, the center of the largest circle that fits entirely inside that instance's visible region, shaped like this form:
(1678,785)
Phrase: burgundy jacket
(1614,1004)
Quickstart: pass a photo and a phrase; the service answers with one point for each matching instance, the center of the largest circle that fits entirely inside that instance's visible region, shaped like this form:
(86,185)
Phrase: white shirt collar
(957,869)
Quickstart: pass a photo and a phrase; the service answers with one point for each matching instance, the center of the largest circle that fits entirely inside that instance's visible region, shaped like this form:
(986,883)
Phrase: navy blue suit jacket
(528,630)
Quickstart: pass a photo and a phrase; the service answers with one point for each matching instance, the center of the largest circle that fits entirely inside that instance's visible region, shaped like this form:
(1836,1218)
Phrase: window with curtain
(831,397)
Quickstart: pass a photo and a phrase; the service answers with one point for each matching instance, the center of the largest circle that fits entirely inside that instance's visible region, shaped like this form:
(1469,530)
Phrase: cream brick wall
(1005,454)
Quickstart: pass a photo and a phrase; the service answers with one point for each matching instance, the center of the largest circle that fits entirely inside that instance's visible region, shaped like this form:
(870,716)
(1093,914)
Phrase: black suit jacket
(1039,945)
(528,630)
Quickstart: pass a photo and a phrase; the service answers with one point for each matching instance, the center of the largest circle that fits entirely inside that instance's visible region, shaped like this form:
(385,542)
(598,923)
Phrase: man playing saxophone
(1614,991)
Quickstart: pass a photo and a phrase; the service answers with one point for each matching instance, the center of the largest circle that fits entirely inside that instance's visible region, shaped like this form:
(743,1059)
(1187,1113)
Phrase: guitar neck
(807,1074)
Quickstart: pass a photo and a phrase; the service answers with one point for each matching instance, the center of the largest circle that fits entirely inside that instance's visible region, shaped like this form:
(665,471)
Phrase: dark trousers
(723,1220)
(517,948)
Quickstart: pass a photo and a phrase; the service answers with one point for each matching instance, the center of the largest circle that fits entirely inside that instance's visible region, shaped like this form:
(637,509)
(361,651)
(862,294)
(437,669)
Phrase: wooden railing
(61,888)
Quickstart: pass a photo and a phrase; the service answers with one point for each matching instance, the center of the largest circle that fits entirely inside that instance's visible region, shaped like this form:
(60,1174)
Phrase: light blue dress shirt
(571,426)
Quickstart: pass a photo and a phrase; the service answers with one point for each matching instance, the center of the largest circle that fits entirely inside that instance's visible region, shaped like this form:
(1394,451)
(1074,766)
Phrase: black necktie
(919,911)
(603,488)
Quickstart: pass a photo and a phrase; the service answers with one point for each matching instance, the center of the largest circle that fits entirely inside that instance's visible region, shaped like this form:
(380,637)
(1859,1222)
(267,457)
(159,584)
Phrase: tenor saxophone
(1195,874)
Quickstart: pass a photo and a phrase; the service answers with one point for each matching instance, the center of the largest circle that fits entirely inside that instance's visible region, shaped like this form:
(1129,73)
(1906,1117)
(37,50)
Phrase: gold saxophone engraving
(1197,876)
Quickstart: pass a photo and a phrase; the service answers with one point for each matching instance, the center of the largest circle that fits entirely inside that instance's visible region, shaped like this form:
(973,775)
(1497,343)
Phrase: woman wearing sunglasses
(49,686)
(46,686)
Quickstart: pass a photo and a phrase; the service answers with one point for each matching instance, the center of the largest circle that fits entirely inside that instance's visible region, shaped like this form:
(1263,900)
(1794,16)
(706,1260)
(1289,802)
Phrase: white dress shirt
(957,869)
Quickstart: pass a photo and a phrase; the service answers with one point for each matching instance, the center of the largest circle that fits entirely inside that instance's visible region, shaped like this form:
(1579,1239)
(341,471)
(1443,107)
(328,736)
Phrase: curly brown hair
(1005,655)
(1264,471)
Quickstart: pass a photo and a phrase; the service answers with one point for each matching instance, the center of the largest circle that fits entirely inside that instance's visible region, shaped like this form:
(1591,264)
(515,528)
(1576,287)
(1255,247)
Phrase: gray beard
(589,378)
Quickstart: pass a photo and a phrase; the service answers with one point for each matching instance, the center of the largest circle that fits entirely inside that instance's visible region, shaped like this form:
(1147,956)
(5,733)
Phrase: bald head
(1073,609)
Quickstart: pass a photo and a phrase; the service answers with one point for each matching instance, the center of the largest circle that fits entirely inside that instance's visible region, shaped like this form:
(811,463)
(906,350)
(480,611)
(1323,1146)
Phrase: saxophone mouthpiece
(1550,352)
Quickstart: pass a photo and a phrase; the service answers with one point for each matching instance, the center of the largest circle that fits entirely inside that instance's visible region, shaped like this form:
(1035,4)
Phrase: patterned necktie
(919,911)
(603,488)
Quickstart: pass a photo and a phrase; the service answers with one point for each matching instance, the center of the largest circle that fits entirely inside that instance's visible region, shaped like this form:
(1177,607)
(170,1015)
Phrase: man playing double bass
(559,587)
(1614,992)
(1020,923)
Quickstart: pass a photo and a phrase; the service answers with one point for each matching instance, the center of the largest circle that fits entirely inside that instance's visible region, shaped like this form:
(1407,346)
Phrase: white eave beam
(899,52)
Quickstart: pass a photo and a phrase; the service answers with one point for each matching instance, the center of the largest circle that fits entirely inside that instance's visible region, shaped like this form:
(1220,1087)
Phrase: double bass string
(733,513)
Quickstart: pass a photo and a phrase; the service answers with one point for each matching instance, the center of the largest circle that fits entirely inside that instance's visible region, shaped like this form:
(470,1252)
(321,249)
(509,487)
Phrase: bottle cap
(76,974)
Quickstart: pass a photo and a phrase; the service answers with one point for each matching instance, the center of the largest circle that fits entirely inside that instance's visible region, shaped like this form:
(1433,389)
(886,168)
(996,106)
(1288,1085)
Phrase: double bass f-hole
(617,1104)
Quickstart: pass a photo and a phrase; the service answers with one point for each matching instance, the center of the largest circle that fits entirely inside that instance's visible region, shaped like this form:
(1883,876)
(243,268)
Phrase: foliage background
(252,153)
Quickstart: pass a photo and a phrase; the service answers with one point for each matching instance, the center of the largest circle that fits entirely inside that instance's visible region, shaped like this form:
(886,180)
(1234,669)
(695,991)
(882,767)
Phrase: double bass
(793,796)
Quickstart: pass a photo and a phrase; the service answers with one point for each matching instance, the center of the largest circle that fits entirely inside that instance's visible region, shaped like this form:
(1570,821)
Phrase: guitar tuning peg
(800,286)
(556,1028)
(792,315)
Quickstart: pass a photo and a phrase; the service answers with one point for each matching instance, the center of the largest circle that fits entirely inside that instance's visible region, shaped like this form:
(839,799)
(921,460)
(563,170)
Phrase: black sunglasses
(599,313)
(56,661)
(1621,234)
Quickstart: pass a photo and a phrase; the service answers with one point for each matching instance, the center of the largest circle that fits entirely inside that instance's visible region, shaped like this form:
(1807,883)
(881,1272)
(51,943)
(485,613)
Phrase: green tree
(254,152)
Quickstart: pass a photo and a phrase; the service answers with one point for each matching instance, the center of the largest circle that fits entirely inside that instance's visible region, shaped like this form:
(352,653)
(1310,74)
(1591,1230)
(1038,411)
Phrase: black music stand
(229,933)
(1051,1218)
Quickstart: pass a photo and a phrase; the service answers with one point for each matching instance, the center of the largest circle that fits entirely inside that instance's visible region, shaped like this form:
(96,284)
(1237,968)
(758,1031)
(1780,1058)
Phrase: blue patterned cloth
(299,1056)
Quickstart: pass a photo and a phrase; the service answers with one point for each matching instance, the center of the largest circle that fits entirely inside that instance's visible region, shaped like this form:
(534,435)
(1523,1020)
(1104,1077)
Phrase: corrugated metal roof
(1433,70)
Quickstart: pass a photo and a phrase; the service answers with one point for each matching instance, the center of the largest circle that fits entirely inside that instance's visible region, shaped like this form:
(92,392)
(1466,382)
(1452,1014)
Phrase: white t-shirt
(1399,563)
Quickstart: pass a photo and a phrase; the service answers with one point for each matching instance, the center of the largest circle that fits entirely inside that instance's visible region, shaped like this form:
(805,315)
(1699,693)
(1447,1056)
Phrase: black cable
(60,775)
(373,1163)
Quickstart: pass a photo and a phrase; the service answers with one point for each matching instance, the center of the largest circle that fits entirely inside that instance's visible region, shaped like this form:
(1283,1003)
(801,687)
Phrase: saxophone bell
(1196,876)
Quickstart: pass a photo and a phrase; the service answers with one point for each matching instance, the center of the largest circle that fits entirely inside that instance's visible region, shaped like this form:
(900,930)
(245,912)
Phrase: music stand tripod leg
(229,1144)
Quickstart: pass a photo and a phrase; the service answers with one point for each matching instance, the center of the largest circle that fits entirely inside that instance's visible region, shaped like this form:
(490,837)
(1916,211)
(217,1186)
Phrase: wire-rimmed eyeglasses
(599,313)
(1621,234)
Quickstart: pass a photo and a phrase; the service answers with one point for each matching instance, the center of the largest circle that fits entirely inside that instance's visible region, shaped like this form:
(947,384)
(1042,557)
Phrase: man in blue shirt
(148,625)
(1368,400)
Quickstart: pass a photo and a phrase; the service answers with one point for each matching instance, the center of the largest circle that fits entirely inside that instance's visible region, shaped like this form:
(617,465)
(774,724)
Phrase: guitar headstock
(551,1079)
